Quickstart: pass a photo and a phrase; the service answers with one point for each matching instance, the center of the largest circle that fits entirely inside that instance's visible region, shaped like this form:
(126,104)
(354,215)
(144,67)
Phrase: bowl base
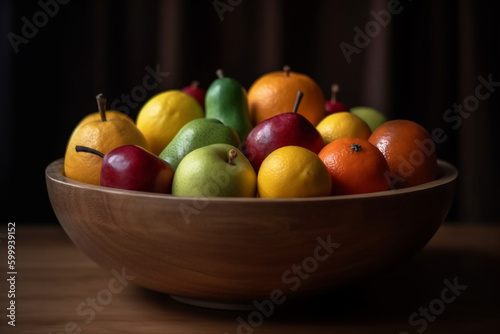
(214,304)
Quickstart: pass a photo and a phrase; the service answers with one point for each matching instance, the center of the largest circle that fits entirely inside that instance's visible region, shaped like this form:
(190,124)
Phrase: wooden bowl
(227,251)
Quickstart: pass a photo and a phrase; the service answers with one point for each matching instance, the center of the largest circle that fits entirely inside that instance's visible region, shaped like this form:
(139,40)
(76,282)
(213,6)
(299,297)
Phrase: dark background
(424,61)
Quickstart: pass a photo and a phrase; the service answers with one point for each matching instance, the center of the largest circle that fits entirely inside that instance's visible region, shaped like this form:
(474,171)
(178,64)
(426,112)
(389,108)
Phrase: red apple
(333,106)
(195,91)
(281,130)
(134,168)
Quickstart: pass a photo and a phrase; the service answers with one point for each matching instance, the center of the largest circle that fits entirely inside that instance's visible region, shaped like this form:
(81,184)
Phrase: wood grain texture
(237,250)
(54,278)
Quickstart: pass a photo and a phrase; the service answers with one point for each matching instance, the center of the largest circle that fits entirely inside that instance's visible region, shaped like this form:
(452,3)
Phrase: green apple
(372,117)
(217,170)
(195,134)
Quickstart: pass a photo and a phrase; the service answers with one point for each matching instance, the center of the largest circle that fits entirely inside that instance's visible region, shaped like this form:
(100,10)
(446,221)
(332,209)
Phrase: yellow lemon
(343,125)
(103,135)
(164,115)
(293,171)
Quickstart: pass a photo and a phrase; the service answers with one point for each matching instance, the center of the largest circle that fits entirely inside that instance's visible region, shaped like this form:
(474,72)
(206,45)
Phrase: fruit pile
(281,139)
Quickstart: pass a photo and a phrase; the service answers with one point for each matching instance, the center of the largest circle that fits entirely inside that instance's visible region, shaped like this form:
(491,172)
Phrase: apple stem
(101,104)
(286,69)
(220,73)
(195,84)
(86,149)
(335,90)
(300,94)
(232,154)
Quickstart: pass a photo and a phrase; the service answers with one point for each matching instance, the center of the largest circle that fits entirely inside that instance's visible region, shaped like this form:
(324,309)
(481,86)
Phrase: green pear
(226,100)
(372,117)
(217,170)
(195,134)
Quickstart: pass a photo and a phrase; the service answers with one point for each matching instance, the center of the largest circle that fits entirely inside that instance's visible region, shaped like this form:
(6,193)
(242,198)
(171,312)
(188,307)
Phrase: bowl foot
(214,304)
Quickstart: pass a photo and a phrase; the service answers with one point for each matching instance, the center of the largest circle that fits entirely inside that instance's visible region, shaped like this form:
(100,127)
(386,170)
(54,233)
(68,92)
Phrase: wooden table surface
(452,286)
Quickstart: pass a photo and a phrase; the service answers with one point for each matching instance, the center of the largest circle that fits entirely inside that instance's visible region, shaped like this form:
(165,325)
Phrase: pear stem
(101,104)
(335,90)
(86,149)
(286,69)
(220,73)
(300,94)
(195,84)
(232,154)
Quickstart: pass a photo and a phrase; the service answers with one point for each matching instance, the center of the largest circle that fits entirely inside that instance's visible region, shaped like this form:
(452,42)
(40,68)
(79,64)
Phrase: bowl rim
(446,173)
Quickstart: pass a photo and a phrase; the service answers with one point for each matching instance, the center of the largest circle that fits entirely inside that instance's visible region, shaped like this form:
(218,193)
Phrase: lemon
(164,115)
(343,125)
(293,171)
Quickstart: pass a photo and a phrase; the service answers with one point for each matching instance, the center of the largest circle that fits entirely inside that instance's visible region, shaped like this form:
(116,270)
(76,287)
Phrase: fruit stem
(101,104)
(86,149)
(195,84)
(220,73)
(232,154)
(300,94)
(286,68)
(335,90)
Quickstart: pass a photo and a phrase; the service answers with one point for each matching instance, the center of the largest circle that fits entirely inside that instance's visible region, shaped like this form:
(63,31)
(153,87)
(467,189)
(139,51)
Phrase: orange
(343,125)
(409,151)
(355,166)
(102,136)
(292,171)
(274,93)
